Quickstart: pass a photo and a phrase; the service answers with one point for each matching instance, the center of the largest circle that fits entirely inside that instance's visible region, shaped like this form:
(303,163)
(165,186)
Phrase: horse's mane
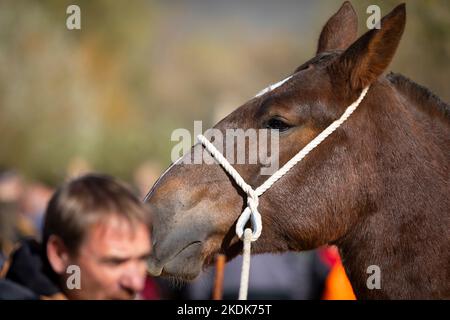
(419,93)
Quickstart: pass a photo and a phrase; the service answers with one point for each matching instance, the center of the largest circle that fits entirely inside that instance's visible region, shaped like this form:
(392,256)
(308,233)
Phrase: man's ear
(57,254)
(340,31)
(366,59)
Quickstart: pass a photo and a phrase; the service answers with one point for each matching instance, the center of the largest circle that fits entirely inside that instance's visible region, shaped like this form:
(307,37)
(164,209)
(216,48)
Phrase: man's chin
(122,296)
(115,296)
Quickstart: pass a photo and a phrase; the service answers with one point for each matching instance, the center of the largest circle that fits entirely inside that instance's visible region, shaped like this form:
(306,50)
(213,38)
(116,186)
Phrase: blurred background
(107,97)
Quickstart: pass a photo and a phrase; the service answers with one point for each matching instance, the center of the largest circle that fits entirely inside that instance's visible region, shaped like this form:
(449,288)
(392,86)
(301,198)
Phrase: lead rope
(251,211)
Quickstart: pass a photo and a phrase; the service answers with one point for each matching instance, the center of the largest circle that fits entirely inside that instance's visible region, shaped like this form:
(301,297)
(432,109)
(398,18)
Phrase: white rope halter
(251,211)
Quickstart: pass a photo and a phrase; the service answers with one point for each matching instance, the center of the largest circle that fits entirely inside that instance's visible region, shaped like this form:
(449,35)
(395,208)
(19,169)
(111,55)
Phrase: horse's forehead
(273,86)
(304,85)
(301,87)
(280,89)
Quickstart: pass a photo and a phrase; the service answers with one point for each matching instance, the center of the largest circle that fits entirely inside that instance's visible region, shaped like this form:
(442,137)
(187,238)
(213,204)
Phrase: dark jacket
(29,275)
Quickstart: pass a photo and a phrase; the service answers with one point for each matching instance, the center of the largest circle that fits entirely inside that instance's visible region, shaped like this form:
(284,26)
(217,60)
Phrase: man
(96,241)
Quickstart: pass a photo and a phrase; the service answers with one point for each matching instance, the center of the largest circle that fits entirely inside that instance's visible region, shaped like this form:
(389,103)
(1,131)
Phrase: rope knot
(253,201)
(250,213)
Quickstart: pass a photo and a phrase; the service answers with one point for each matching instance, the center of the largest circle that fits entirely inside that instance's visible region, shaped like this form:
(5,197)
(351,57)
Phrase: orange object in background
(337,285)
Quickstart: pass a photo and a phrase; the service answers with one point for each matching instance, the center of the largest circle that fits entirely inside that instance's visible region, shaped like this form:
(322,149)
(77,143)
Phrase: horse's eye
(277,124)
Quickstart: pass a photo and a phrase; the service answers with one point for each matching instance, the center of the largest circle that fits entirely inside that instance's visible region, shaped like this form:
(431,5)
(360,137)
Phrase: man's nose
(133,278)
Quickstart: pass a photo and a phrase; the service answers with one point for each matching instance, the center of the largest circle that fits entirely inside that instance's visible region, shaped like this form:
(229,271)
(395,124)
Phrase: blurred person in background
(14,226)
(10,188)
(33,203)
(93,224)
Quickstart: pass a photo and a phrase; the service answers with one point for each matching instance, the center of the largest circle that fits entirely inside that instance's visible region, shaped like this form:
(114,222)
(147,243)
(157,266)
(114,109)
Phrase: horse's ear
(340,31)
(366,59)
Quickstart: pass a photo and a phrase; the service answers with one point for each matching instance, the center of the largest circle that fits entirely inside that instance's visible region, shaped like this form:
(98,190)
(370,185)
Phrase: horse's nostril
(153,269)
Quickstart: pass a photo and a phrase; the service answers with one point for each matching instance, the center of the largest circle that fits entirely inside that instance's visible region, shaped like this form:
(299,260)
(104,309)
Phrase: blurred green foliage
(113,92)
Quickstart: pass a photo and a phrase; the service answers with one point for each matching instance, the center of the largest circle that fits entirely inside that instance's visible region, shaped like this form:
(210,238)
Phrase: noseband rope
(251,211)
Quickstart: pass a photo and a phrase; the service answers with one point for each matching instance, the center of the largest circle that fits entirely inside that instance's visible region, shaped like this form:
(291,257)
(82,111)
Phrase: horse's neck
(406,233)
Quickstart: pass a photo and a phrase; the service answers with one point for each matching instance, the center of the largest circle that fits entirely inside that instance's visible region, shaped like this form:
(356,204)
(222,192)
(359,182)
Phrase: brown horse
(378,187)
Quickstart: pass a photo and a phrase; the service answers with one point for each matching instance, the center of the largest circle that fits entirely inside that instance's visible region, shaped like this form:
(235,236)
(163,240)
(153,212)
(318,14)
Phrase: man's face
(112,260)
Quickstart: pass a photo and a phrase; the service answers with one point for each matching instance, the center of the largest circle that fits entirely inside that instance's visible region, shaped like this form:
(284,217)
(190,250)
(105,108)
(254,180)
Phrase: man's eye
(115,262)
(277,124)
